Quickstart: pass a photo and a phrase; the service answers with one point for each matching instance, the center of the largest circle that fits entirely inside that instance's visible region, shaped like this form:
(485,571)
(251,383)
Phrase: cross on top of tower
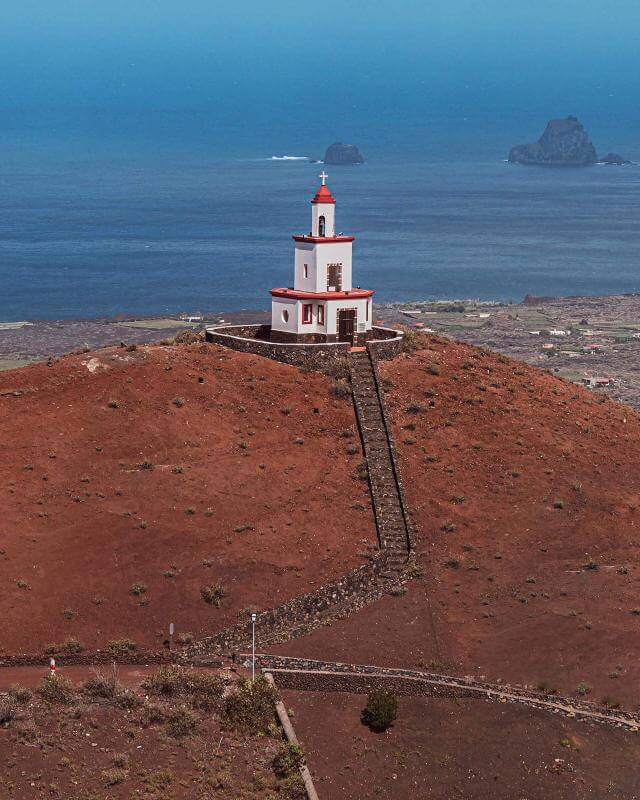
(323,177)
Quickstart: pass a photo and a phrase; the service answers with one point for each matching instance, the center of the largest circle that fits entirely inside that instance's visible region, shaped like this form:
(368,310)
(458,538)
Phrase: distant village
(592,341)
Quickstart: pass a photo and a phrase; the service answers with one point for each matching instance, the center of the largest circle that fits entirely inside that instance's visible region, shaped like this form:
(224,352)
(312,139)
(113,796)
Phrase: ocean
(138,229)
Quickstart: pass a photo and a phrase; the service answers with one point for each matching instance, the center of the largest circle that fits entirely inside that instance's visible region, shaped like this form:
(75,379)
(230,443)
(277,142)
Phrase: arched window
(321,226)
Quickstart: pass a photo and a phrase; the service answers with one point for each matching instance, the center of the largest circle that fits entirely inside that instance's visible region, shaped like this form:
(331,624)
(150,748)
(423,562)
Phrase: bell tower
(323,211)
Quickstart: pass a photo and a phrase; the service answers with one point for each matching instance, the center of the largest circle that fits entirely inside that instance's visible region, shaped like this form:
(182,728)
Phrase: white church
(322,305)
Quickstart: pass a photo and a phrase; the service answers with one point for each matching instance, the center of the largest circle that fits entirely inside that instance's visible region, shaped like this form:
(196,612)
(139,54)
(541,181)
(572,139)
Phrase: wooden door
(346,324)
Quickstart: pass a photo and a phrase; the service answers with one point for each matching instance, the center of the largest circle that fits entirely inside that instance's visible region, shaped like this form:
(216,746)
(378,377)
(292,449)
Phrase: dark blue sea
(138,228)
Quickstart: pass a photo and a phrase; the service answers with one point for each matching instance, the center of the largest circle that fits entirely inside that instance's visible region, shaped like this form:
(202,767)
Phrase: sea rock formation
(564,143)
(343,154)
(615,159)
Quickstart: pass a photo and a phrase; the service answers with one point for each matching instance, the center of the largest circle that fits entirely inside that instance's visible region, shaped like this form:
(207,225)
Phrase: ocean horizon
(93,227)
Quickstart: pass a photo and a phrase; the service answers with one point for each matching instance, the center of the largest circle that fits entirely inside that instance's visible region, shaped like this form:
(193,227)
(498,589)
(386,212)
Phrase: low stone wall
(323,676)
(386,343)
(302,614)
(255,339)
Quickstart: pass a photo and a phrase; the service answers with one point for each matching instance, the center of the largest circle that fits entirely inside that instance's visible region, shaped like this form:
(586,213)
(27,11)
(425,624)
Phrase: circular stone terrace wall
(385,343)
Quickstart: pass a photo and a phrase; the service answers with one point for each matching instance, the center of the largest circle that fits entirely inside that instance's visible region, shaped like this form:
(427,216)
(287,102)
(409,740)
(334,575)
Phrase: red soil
(231,497)
(517,481)
(471,749)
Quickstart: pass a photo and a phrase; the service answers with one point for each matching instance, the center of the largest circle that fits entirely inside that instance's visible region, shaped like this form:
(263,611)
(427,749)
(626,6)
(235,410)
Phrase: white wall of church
(317,257)
(305,254)
(334,253)
(284,315)
(360,305)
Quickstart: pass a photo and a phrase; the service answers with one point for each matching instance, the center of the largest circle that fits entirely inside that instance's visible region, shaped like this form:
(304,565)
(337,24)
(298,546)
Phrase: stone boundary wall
(255,339)
(303,614)
(312,675)
(89,659)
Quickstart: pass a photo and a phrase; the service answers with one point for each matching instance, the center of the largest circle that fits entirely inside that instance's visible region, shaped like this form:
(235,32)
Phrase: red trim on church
(292,294)
(323,195)
(323,239)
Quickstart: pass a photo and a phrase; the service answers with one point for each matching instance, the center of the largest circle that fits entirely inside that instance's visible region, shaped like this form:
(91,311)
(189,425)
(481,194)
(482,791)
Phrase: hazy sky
(279,62)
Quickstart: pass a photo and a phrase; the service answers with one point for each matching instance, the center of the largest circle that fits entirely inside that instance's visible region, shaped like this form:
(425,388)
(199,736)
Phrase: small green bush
(381,710)
(138,589)
(287,761)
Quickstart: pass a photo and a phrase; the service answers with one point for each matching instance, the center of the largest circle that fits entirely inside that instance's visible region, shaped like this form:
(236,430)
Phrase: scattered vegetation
(202,689)
(138,589)
(69,647)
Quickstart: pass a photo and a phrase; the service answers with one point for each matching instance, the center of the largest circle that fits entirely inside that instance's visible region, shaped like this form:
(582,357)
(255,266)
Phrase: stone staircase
(386,491)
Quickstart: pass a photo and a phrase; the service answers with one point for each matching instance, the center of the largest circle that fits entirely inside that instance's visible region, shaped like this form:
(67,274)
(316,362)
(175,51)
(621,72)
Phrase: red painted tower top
(323,195)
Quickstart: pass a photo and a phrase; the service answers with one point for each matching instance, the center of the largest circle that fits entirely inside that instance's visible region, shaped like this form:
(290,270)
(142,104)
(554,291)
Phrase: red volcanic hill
(132,480)
(524,491)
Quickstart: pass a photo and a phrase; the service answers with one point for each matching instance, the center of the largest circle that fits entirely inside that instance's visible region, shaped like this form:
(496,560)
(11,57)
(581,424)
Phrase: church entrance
(346,324)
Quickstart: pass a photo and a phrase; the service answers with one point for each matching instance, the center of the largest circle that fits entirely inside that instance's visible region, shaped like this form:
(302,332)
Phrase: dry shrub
(56,689)
(340,390)
(181,722)
(203,689)
(251,706)
(189,336)
(413,340)
(8,711)
(121,648)
(20,694)
(213,594)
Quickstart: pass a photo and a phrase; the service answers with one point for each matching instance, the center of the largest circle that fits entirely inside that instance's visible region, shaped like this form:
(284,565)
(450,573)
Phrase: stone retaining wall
(323,676)
(302,614)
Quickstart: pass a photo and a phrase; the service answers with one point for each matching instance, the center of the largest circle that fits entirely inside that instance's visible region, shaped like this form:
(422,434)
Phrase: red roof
(322,239)
(323,195)
(352,294)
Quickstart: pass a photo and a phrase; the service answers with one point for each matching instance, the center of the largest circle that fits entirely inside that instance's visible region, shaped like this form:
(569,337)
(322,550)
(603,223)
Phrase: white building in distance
(322,305)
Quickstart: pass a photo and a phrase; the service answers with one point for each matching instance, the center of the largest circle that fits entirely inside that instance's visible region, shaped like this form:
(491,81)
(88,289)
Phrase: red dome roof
(323,195)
